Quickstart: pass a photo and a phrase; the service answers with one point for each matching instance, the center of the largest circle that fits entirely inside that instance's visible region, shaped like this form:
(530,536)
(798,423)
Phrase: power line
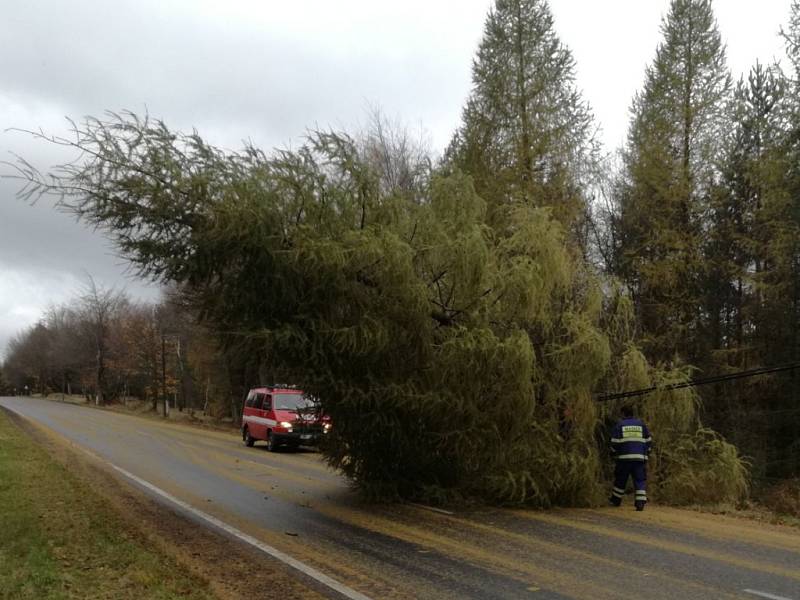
(695,382)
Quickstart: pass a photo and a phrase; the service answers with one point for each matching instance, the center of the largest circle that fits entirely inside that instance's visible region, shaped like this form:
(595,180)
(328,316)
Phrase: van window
(268,403)
(250,398)
(259,400)
(292,402)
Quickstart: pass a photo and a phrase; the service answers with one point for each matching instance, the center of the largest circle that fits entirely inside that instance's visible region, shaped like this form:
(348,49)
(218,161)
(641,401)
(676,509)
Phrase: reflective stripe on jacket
(631,440)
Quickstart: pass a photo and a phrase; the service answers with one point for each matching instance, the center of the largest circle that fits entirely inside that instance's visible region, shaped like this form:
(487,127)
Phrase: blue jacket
(631,440)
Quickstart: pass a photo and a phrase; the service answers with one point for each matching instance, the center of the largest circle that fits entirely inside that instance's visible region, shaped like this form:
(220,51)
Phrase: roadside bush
(701,468)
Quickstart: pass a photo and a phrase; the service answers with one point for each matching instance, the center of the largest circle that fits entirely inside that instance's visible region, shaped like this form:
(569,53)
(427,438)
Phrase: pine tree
(734,248)
(669,177)
(735,333)
(527,134)
(779,280)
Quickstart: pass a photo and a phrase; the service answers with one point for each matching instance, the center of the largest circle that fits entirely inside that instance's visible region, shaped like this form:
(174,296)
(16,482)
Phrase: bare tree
(99,306)
(402,159)
(29,359)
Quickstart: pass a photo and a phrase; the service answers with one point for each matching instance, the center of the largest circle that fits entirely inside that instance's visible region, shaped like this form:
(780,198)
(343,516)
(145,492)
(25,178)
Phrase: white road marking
(305,569)
(431,508)
(766,595)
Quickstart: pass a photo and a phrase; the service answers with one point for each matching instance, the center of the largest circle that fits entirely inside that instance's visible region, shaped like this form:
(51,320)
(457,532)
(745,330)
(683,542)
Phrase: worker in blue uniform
(630,446)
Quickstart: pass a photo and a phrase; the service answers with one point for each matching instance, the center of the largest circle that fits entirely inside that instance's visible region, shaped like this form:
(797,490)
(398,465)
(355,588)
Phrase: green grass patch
(59,539)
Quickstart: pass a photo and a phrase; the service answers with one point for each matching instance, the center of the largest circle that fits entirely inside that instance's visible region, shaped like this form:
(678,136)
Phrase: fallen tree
(454,361)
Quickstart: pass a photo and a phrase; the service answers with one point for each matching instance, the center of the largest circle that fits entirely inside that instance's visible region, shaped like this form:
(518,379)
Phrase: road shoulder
(232,570)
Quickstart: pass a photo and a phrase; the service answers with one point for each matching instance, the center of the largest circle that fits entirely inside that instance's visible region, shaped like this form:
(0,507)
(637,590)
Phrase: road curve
(293,503)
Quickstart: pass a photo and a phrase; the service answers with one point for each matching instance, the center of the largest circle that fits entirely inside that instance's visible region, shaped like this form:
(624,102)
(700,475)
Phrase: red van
(282,416)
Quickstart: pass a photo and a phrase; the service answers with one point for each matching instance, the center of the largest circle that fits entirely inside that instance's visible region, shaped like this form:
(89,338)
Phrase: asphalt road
(292,503)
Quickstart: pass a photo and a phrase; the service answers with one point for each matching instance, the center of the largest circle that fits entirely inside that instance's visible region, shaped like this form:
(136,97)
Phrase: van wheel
(249,440)
(271,445)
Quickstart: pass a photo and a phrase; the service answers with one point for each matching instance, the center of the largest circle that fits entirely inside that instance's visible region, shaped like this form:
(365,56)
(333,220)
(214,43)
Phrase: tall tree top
(527,134)
(686,87)
(676,144)
(792,36)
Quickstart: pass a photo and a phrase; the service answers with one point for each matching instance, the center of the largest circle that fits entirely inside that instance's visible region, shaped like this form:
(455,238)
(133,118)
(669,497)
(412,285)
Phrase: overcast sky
(266,70)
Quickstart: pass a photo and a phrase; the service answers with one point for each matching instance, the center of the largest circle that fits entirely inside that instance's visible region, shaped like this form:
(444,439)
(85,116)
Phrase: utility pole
(164,372)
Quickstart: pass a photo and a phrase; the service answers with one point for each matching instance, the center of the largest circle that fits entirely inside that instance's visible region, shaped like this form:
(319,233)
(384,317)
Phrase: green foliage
(674,143)
(741,329)
(687,458)
(706,231)
(453,361)
(701,468)
(527,134)
(750,276)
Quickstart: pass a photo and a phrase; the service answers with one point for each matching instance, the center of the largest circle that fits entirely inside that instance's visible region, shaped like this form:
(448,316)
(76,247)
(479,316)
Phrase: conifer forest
(466,318)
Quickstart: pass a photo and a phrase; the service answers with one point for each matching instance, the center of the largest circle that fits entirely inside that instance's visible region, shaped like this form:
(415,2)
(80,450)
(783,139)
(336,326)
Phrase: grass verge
(60,539)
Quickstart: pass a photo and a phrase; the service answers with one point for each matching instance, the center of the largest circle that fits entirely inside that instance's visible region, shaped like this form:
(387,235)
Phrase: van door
(268,414)
(247,411)
(259,431)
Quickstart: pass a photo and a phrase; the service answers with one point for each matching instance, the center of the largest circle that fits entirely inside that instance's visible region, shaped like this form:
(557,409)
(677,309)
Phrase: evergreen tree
(734,250)
(527,135)
(779,280)
(736,331)
(670,175)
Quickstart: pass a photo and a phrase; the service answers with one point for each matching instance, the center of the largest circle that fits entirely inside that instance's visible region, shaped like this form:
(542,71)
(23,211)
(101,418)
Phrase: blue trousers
(630,468)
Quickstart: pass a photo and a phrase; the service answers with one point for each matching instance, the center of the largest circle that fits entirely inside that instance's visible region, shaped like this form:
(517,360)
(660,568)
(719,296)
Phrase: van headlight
(326,427)
(286,425)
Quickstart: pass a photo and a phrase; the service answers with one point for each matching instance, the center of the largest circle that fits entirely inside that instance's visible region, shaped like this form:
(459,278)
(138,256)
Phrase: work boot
(639,505)
(614,501)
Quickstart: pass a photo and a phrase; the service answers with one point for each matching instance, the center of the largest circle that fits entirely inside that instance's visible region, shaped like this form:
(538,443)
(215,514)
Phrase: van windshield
(291,402)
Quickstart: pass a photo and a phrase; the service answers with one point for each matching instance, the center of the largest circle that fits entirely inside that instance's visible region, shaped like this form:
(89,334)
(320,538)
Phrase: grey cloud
(89,57)
(194,64)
